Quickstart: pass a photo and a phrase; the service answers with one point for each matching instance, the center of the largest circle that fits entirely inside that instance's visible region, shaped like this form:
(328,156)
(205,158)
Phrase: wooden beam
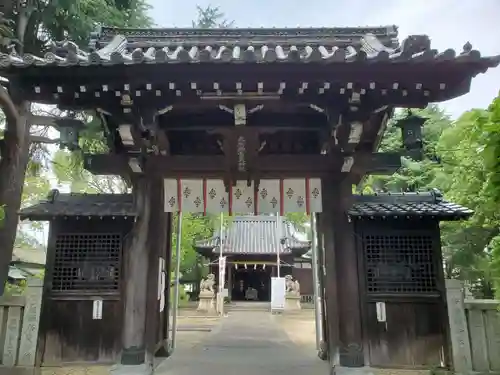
(212,166)
(377,163)
(43,120)
(268,166)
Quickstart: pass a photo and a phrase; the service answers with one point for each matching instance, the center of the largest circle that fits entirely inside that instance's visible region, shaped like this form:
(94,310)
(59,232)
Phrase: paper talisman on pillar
(192,195)
(171,196)
(315,202)
(242,198)
(161,283)
(294,195)
(268,197)
(216,198)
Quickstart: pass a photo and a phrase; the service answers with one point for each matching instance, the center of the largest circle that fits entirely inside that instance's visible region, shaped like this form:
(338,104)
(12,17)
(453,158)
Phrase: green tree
(211,18)
(468,177)
(491,129)
(458,162)
(36,24)
(413,175)
(69,171)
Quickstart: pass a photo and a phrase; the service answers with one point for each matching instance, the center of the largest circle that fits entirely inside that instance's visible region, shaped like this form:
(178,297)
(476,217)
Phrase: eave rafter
(84,92)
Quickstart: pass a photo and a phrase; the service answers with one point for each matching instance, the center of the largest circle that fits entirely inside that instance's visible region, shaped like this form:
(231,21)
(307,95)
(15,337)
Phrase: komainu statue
(292,286)
(207,295)
(207,285)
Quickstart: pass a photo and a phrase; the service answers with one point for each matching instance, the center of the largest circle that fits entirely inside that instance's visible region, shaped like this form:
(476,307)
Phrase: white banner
(278,293)
(222,270)
(209,196)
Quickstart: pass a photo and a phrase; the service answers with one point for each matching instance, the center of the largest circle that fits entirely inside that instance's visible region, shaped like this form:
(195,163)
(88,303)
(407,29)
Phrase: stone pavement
(245,343)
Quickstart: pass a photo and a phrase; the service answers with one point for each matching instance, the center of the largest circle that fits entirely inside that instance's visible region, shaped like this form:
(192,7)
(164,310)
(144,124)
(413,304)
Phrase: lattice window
(399,264)
(87,262)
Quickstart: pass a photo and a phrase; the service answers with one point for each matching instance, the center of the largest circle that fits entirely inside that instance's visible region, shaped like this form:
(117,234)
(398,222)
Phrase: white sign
(277,293)
(222,271)
(225,293)
(381,314)
(97,309)
(161,283)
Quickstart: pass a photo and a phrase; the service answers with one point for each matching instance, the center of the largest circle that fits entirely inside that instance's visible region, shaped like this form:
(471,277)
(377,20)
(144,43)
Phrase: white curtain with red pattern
(272,196)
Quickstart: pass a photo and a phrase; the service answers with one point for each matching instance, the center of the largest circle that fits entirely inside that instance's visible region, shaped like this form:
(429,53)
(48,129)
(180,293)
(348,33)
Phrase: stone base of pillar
(323,351)
(144,369)
(292,303)
(207,303)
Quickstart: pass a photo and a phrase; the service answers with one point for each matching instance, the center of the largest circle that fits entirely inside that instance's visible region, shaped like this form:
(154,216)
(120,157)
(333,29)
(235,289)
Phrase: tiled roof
(16,274)
(299,36)
(255,235)
(426,204)
(271,49)
(97,205)
(402,205)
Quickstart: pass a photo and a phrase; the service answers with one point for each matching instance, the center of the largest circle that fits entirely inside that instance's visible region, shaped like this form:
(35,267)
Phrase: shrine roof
(255,235)
(407,205)
(334,45)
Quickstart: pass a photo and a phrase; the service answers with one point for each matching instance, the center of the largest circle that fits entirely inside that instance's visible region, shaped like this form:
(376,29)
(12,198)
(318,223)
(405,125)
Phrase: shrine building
(251,245)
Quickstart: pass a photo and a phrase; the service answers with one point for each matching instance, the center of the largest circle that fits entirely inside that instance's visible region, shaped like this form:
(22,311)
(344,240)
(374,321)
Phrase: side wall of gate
(84,265)
(403,294)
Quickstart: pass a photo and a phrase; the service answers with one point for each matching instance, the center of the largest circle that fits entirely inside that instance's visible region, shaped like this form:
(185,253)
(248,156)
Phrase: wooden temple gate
(243,121)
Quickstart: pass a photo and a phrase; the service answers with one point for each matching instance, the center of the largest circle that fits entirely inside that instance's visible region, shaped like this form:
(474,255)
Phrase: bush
(15,289)
(183,296)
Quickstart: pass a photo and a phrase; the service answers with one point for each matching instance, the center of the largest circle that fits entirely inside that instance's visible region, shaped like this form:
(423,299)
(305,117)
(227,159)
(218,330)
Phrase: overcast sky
(449,23)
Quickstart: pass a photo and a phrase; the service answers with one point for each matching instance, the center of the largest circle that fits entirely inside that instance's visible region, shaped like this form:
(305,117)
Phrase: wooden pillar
(350,333)
(135,293)
(329,267)
(229,268)
(157,302)
(323,349)
(165,328)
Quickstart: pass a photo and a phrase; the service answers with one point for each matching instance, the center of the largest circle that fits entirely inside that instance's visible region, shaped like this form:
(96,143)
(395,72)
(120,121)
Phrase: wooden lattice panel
(87,262)
(401,264)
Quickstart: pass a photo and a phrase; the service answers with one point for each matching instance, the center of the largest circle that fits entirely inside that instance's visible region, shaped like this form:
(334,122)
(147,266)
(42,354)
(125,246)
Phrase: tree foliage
(211,18)
(460,159)
(76,19)
(32,29)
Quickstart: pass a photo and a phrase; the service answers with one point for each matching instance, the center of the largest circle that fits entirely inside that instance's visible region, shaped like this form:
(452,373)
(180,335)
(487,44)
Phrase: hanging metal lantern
(411,134)
(411,131)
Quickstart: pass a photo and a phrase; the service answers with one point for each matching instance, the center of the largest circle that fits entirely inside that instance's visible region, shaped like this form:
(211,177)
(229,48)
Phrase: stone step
(248,306)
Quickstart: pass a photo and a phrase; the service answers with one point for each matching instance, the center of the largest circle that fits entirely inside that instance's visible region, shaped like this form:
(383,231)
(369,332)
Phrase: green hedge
(183,296)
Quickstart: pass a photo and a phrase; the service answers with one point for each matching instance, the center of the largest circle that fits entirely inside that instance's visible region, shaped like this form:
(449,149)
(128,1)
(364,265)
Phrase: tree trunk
(13,163)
